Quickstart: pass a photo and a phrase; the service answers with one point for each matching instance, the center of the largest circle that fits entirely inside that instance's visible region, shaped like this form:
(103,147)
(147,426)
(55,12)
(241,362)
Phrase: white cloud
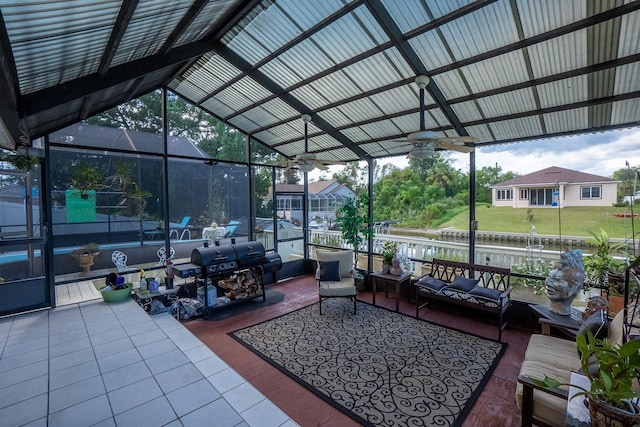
(599,154)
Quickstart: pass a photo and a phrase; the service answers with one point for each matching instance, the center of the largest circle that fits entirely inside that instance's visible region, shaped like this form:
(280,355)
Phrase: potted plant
(85,255)
(611,370)
(601,268)
(356,227)
(389,251)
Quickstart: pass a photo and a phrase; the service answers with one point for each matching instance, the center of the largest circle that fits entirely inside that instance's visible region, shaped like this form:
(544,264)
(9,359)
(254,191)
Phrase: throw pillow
(329,271)
(463,284)
(431,283)
(490,293)
(597,323)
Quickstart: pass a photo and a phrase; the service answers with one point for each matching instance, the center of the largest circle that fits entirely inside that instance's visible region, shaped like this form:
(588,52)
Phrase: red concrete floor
(495,406)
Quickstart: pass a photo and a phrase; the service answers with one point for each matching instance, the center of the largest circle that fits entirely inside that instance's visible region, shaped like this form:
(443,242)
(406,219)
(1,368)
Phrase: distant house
(555,187)
(325,197)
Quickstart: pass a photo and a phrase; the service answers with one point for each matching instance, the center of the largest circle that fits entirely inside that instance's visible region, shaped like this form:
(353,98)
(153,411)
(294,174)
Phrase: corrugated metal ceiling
(501,71)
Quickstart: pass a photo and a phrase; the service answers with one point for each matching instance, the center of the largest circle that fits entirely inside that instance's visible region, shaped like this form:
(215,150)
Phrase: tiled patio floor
(102,364)
(92,363)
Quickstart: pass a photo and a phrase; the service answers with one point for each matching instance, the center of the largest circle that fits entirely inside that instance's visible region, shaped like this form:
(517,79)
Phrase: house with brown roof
(555,187)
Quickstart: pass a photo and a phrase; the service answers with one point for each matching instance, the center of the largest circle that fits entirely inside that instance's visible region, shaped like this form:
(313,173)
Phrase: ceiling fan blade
(454,147)
(319,165)
(458,140)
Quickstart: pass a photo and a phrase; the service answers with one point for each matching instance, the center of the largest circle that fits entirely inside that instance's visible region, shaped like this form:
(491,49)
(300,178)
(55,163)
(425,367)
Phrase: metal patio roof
(502,71)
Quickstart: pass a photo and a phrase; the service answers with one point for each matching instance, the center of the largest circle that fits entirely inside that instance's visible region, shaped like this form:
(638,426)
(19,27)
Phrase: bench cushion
(431,283)
(481,291)
(463,284)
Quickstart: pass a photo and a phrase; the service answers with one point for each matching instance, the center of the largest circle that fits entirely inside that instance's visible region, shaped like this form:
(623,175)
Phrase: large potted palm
(355,224)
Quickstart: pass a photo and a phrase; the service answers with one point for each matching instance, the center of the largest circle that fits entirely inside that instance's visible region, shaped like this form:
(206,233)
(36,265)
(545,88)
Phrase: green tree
(627,186)
(486,177)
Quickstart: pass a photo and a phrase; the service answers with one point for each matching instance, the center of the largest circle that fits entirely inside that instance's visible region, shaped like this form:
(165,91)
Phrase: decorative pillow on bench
(432,283)
(463,284)
(490,293)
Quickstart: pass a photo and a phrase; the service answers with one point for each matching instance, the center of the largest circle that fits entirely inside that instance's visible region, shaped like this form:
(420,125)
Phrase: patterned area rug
(379,367)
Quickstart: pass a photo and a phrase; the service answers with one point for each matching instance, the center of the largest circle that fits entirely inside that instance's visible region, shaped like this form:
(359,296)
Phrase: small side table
(390,278)
(568,324)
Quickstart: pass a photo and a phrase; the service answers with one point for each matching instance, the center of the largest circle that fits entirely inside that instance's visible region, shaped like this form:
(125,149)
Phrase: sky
(599,154)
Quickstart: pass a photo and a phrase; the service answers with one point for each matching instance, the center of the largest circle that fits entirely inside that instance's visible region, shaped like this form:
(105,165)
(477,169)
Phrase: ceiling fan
(425,142)
(306,162)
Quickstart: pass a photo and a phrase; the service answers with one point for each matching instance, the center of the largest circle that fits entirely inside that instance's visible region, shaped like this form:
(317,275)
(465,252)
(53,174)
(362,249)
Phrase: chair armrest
(506,293)
(528,383)
(528,386)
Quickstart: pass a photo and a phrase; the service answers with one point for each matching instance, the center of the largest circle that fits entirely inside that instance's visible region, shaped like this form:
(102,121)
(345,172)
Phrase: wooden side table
(390,278)
(567,324)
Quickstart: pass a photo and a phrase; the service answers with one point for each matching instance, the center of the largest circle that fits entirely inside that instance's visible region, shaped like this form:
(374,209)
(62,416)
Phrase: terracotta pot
(603,415)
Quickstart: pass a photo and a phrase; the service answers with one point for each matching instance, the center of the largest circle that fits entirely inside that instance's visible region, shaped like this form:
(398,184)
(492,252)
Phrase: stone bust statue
(565,281)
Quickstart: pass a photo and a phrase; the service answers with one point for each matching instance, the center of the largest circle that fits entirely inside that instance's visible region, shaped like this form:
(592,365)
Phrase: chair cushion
(463,284)
(490,293)
(329,270)
(345,288)
(431,283)
(345,258)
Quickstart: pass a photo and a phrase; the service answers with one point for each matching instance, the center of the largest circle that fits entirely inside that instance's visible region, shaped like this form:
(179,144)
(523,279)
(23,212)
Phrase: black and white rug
(379,367)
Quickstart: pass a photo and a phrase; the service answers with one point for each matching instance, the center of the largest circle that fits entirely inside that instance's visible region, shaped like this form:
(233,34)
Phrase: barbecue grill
(225,259)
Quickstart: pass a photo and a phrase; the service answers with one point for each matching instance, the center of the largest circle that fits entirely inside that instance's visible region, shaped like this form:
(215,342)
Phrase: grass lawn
(575,221)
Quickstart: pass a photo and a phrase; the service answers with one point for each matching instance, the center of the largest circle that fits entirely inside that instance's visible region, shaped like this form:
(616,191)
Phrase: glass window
(590,192)
(504,194)
(524,193)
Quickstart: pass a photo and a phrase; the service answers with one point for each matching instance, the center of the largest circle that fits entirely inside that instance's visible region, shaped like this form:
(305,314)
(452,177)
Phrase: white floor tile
(69,346)
(74,374)
(157,412)
(75,393)
(218,413)
(24,391)
(117,361)
(23,373)
(24,347)
(167,361)
(225,380)
(133,395)
(9,363)
(113,348)
(83,414)
(126,375)
(178,377)
(199,353)
(211,365)
(192,397)
(71,359)
(24,412)
(264,414)
(243,397)
(156,348)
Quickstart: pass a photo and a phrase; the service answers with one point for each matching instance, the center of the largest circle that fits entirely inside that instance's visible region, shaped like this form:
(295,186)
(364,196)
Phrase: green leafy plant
(87,177)
(356,226)
(611,369)
(601,263)
(389,250)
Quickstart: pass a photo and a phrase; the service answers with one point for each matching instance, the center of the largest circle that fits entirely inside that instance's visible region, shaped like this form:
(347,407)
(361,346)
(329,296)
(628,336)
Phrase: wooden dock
(73,293)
